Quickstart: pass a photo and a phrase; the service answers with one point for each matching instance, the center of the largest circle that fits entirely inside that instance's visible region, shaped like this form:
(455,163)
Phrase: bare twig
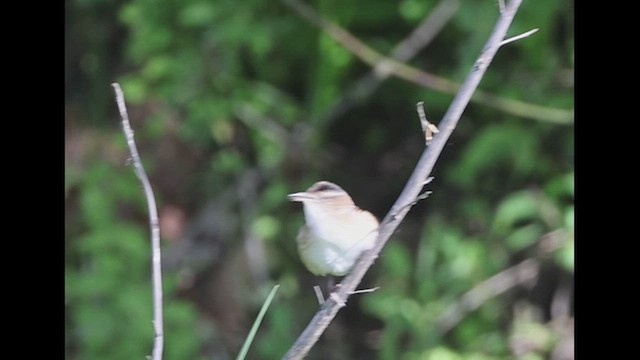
(422,196)
(421,115)
(426,31)
(365,291)
(158,342)
(524,271)
(319,295)
(411,191)
(427,128)
(405,50)
(518,37)
(404,71)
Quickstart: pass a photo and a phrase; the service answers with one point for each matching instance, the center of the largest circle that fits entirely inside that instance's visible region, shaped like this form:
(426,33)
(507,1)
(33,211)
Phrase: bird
(336,231)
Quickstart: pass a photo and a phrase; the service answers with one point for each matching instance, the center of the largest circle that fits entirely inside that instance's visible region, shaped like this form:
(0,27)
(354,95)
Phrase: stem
(158,342)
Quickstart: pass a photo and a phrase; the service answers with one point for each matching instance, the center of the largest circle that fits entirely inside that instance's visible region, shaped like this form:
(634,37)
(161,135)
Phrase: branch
(398,211)
(403,51)
(158,341)
(499,283)
(518,37)
(384,65)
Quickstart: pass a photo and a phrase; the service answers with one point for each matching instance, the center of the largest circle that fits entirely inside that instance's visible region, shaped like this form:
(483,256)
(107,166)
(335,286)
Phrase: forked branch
(398,211)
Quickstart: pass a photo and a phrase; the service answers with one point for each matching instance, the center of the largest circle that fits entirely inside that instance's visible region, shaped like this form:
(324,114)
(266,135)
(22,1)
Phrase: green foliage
(493,148)
(231,103)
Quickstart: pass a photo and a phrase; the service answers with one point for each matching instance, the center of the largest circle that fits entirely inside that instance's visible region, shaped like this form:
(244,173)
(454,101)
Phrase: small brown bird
(336,231)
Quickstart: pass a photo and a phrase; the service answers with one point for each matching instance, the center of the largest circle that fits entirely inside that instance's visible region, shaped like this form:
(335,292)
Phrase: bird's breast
(342,227)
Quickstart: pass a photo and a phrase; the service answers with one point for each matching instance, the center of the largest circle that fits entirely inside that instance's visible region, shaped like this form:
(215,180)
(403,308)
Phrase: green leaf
(518,207)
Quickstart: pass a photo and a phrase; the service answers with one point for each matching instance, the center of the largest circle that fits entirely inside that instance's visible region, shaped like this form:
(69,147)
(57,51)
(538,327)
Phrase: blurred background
(237,103)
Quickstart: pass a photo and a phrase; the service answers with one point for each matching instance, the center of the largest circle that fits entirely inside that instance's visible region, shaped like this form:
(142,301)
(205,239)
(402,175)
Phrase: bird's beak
(299,196)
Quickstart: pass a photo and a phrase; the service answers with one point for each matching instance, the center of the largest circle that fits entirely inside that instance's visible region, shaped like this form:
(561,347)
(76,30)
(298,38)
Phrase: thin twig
(394,217)
(524,271)
(426,31)
(423,78)
(404,51)
(158,342)
(422,196)
(319,295)
(518,37)
(365,291)
(427,128)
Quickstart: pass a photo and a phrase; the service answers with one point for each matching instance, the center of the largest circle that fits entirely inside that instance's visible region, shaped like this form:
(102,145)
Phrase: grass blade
(256,324)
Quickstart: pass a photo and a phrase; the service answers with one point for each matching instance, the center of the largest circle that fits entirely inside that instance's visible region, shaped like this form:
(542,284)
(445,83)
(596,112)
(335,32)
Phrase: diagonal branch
(158,342)
(384,65)
(497,284)
(523,272)
(398,211)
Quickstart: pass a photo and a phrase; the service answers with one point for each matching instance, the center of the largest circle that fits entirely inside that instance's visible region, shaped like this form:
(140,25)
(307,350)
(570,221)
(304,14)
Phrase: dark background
(233,106)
